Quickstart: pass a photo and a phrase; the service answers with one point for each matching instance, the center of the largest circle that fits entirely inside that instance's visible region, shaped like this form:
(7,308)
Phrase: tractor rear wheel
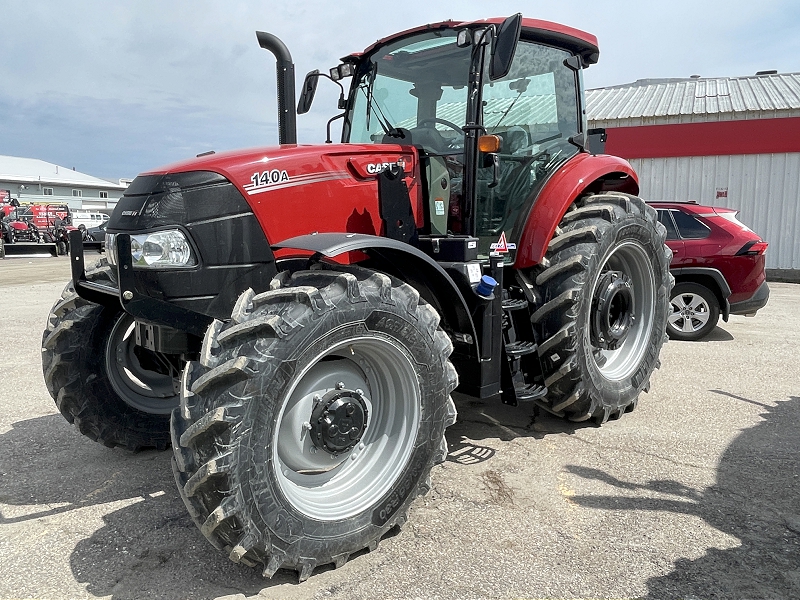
(606,300)
(313,418)
(113,391)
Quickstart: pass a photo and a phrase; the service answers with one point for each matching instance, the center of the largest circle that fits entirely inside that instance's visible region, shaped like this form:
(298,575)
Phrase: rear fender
(583,174)
(408,264)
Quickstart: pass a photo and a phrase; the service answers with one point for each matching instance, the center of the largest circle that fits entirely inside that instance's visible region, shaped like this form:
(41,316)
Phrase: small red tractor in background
(292,320)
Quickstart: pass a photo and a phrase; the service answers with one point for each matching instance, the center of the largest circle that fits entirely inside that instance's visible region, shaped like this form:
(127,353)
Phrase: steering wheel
(450,124)
(452,144)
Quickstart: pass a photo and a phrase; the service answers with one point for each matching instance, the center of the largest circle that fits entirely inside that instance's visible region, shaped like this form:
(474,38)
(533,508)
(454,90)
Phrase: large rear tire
(313,418)
(605,290)
(113,391)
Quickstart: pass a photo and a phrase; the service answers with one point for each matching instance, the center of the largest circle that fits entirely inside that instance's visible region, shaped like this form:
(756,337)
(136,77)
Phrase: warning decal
(501,245)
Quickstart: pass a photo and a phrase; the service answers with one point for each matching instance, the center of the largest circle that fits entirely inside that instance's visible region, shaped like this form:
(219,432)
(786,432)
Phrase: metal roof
(35,171)
(540,109)
(654,101)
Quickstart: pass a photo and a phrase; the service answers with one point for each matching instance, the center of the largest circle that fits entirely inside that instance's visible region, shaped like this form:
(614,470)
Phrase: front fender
(407,263)
(582,173)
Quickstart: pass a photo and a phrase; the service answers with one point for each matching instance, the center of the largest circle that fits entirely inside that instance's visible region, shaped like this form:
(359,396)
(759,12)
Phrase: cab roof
(580,42)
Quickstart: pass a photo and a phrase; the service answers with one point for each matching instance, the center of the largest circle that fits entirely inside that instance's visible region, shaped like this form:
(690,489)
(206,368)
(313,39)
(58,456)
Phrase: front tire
(113,391)
(695,312)
(606,295)
(313,418)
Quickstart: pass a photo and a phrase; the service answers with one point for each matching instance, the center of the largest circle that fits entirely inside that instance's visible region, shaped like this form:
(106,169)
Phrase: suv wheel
(695,312)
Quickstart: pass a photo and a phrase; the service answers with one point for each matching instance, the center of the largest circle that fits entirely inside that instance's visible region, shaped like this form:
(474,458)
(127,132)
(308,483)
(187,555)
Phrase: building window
(77,193)
(47,191)
(104,194)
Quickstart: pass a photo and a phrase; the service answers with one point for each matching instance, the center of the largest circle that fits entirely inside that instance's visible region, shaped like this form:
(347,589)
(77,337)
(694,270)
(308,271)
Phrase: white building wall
(764,187)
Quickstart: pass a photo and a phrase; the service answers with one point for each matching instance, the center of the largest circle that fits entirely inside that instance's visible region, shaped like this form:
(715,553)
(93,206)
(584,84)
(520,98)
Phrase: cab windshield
(418,85)
(414,91)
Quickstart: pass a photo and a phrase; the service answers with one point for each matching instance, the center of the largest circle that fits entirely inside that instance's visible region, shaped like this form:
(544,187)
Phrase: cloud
(119,87)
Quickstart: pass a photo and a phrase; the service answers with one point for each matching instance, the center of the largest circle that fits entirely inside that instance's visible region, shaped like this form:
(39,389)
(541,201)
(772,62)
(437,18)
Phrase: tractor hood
(291,189)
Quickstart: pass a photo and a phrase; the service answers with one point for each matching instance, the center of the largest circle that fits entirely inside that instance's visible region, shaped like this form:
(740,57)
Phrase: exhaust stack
(287,119)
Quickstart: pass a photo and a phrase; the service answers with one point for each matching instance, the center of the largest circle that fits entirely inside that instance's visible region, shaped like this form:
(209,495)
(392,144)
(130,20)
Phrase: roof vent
(694,76)
(770,72)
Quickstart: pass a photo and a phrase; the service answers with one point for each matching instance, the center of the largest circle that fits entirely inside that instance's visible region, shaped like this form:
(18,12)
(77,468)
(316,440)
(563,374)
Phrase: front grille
(154,201)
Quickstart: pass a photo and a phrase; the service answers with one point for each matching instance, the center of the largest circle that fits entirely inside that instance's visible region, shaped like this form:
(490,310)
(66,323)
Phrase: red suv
(718,264)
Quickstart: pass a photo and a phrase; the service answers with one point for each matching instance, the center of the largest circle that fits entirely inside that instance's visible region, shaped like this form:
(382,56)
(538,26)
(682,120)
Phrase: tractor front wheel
(112,390)
(313,418)
(606,300)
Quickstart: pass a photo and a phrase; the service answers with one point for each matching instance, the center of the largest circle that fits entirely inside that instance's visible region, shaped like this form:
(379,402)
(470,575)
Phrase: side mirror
(505,44)
(307,95)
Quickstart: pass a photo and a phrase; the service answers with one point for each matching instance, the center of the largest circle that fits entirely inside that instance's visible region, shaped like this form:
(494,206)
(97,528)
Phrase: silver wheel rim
(141,388)
(329,487)
(690,313)
(631,259)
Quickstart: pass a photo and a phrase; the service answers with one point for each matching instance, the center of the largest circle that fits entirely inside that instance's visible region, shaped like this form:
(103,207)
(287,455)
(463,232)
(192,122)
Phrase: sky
(116,88)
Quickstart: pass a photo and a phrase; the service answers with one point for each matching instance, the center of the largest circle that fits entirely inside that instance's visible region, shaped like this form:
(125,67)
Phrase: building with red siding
(731,142)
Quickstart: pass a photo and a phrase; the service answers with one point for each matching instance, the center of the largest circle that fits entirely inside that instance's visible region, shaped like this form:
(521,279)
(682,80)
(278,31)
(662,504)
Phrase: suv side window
(689,227)
(666,220)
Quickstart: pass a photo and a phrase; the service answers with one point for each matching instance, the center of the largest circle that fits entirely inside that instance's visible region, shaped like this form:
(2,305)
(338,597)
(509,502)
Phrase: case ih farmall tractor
(292,320)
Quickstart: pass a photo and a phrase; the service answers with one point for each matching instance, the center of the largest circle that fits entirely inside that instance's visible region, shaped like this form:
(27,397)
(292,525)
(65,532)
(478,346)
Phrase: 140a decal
(269,178)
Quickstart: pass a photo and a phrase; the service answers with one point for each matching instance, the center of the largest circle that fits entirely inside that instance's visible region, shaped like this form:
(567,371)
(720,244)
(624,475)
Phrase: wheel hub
(338,420)
(612,308)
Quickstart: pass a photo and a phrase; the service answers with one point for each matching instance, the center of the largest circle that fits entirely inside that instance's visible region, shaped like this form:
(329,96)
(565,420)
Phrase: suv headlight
(158,250)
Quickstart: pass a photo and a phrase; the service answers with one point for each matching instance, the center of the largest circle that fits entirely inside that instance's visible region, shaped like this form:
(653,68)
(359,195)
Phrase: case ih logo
(375,168)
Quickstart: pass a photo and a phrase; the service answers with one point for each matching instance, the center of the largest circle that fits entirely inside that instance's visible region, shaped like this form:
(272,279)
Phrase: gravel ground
(695,494)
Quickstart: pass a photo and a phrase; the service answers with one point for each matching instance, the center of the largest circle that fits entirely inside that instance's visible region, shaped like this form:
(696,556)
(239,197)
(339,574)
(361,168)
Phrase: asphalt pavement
(694,495)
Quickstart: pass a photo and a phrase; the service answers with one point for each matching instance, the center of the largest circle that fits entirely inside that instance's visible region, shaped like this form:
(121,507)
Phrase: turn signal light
(489,143)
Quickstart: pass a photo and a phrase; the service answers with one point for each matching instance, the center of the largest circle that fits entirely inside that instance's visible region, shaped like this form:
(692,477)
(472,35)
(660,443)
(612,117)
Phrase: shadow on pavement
(718,334)
(756,498)
(491,419)
(149,547)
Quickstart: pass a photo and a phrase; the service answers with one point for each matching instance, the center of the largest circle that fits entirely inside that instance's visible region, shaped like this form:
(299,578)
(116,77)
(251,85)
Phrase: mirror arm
(328,126)
(495,170)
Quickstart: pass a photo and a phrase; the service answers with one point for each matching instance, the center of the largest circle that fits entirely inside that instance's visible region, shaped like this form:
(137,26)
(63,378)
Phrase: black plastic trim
(88,290)
(686,273)
(758,301)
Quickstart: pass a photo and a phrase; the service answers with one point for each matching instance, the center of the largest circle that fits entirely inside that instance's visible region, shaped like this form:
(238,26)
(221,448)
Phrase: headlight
(157,250)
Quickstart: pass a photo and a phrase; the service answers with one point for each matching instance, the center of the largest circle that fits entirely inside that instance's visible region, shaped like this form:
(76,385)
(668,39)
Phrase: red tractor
(292,320)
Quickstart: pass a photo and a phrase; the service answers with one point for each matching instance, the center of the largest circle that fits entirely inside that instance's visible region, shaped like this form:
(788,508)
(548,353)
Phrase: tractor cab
(492,112)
